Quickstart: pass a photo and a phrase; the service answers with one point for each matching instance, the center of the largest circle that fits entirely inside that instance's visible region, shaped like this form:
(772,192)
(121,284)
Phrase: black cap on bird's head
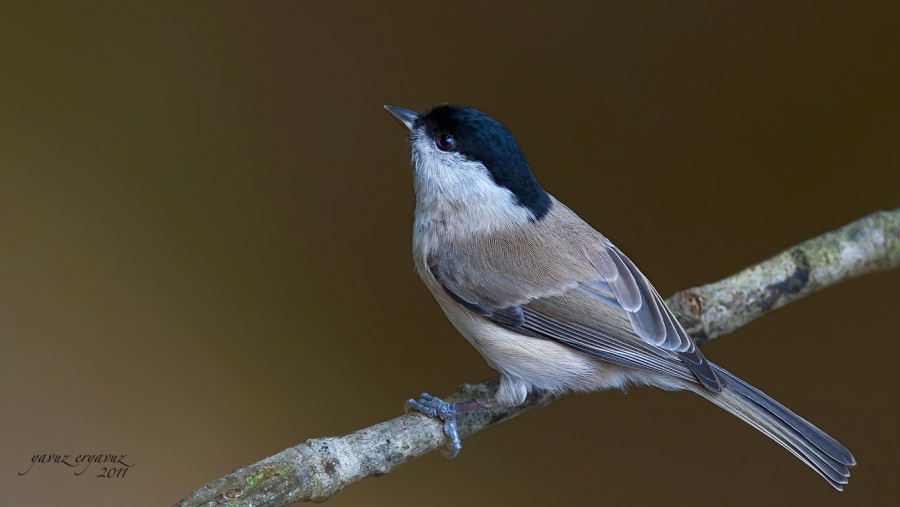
(479,138)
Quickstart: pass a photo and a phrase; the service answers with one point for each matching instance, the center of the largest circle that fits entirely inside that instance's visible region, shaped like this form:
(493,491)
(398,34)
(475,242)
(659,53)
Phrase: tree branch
(318,468)
(869,244)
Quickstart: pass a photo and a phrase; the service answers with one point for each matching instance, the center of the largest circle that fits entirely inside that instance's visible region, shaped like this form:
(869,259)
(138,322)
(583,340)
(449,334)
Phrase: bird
(549,302)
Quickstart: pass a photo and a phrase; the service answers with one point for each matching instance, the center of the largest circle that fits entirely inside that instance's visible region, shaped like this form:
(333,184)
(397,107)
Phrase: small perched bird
(548,301)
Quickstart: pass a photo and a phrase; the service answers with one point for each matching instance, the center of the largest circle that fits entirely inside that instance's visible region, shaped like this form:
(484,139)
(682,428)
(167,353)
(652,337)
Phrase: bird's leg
(433,406)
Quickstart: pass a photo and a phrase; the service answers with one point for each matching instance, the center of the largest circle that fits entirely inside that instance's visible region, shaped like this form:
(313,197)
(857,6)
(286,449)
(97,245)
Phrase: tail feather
(813,446)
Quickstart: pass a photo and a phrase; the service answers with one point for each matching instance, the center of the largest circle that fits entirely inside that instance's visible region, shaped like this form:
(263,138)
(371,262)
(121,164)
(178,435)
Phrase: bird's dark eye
(445,142)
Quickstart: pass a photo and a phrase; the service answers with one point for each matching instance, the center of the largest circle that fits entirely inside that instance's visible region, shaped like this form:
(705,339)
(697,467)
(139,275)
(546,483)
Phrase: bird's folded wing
(598,303)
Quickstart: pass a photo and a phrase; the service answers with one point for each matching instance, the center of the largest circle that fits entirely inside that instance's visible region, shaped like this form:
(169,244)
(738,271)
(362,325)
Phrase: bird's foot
(433,406)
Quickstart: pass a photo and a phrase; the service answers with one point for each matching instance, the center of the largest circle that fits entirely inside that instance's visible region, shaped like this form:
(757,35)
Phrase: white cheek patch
(454,189)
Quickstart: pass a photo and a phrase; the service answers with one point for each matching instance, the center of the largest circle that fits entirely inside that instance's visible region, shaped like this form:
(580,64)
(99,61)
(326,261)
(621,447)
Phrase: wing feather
(592,298)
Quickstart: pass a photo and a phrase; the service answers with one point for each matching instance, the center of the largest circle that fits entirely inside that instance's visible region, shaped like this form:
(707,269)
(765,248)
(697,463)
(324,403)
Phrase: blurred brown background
(205,236)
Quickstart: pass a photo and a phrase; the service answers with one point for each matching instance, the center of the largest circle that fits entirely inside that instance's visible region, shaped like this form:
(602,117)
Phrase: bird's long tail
(815,448)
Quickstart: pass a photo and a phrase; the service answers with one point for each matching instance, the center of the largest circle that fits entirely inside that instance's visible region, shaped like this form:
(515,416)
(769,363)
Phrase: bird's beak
(406,117)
